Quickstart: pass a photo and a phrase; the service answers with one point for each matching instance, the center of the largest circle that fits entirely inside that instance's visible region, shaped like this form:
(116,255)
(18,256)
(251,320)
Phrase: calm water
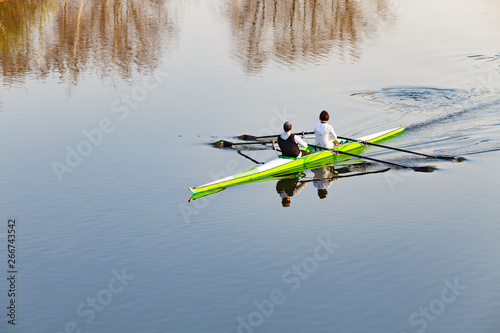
(107,114)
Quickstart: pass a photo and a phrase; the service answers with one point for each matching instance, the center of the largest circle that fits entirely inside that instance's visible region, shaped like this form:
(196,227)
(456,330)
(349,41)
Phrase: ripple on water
(421,98)
(443,116)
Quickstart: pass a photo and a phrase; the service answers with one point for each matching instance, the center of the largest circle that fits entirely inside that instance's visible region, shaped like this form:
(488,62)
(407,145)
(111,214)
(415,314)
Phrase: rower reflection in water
(287,188)
(323,178)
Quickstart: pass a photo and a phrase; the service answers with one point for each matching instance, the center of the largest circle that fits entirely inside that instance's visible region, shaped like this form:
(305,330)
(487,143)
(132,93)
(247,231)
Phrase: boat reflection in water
(291,185)
(322,180)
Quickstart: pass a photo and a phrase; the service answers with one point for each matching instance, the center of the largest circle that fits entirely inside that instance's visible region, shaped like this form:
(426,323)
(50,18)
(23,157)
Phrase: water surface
(107,115)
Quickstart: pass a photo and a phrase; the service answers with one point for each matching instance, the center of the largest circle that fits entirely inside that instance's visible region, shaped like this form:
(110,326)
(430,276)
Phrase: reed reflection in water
(68,37)
(304,32)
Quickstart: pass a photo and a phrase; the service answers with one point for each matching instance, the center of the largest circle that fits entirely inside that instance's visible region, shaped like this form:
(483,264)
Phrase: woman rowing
(325,135)
(289,143)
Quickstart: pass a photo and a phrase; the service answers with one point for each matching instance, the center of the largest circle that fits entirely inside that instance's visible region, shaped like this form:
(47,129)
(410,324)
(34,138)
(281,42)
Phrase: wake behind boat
(288,165)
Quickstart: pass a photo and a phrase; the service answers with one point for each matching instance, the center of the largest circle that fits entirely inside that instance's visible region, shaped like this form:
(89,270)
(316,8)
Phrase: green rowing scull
(287,165)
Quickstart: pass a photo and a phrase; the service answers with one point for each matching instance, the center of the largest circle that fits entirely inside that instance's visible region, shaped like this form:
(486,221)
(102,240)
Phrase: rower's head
(324,116)
(285,201)
(287,126)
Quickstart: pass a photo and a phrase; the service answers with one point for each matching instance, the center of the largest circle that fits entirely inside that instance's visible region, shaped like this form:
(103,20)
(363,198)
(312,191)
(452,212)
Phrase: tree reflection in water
(117,38)
(68,37)
(297,33)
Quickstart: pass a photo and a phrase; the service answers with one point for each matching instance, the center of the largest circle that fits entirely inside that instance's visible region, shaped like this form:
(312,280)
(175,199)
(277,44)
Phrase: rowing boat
(287,165)
(282,165)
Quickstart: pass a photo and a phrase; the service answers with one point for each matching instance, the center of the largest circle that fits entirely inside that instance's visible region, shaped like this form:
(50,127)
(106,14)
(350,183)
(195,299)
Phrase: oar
(419,169)
(251,159)
(459,159)
(224,143)
(251,137)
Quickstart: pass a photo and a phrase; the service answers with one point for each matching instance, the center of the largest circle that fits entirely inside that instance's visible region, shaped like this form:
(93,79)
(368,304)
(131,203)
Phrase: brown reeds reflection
(298,33)
(69,37)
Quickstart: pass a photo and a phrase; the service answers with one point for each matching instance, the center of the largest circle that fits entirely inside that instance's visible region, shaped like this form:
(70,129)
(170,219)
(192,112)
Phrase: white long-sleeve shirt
(324,135)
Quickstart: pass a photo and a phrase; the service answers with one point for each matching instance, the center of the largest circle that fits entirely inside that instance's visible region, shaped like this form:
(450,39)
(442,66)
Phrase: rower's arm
(300,142)
(333,133)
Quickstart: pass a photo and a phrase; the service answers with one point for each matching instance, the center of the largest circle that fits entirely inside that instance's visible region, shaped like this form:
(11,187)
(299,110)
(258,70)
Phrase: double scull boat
(283,166)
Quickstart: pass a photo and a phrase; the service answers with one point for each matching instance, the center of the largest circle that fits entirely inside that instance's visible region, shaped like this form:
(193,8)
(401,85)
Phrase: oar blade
(247,137)
(452,158)
(218,144)
(222,144)
(426,168)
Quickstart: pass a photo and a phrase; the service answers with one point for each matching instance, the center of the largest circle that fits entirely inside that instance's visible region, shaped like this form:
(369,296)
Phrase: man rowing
(325,135)
(289,143)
